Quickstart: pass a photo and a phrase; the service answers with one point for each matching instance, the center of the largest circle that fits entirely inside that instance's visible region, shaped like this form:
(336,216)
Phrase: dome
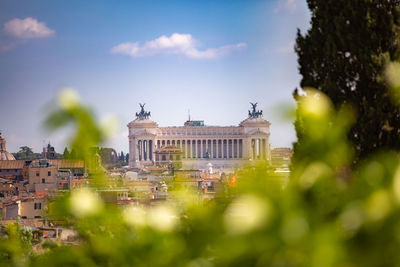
(4,155)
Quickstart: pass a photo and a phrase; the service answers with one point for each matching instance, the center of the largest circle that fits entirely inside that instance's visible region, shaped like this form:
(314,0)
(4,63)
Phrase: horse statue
(142,114)
(254,113)
(142,107)
(254,106)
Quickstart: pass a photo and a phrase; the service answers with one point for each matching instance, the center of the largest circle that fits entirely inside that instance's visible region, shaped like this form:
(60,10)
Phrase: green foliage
(66,154)
(26,153)
(329,213)
(88,134)
(15,246)
(25,149)
(344,54)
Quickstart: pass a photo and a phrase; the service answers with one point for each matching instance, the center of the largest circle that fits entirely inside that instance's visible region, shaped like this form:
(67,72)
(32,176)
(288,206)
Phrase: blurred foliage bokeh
(329,213)
(332,211)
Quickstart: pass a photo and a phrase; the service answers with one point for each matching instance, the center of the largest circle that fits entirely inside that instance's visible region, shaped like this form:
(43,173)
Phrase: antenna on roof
(189,113)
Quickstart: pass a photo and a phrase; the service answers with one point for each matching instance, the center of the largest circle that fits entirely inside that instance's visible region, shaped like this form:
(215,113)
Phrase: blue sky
(224,54)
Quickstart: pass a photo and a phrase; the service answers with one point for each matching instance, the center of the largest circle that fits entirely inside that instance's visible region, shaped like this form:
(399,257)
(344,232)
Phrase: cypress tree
(344,55)
(66,153)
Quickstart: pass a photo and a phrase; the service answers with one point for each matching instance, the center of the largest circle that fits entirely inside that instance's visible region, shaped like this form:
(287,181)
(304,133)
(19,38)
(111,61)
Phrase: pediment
(257,132)
(145,133)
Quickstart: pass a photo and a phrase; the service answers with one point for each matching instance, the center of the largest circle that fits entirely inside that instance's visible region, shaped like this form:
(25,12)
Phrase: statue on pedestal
(142,114)
(253,113)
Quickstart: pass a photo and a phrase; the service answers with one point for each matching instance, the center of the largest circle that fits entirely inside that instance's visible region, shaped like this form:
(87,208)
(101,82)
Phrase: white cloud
(27,28)
(175,44)
(285,49)
(286,5)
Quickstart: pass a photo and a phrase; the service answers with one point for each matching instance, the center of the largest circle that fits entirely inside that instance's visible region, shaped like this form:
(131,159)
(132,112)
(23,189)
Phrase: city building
(49,152)
(42,176)
(14,169)
(24,208)
(281,156)
(223,146)
(165,156)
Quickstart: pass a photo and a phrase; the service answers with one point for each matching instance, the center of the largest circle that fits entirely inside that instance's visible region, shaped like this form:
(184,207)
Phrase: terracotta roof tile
(12,164)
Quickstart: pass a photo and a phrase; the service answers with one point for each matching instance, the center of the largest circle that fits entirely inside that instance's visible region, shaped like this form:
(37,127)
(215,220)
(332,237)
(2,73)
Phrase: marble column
(217,146)
(201,148)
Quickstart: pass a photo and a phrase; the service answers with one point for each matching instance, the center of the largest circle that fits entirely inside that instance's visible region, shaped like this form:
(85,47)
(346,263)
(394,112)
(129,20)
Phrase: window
(37,217)
(43,180)
(37,173)
(49,173)
(38,206)
(163,158)
(23,217)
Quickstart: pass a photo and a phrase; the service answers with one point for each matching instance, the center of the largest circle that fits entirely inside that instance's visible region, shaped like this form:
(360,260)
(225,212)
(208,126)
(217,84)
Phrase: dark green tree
(73,154)
(344,55)
(122,156)
(66,153)
(127,158)
(26,153)
(26,150)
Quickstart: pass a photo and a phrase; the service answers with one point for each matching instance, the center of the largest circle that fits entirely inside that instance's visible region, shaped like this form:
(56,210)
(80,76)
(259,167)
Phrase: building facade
(223,146)
(281,156)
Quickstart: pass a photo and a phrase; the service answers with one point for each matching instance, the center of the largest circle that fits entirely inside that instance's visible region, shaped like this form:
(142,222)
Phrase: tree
(73,154)
(26,150)
(344,55)
(122,156)
(127,158)
(66,153)
(26,153)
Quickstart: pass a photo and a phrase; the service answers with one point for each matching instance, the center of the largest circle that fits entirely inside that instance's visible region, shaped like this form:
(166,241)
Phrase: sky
(209,57)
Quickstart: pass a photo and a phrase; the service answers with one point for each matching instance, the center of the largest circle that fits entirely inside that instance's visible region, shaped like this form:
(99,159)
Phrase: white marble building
(223,146)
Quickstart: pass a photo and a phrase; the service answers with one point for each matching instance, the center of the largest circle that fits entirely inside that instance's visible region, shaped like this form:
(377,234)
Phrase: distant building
(24,208)
(223,146)
(165,156)
(14,169)
(49,152)
(42,176)
(280,157)
(114,195)
(108,156)
(4,155)
(9,188)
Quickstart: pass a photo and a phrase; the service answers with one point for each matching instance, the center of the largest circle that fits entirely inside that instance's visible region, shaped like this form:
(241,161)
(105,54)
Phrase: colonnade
(144,149)
(206,148)
(234,148)
(259,149)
